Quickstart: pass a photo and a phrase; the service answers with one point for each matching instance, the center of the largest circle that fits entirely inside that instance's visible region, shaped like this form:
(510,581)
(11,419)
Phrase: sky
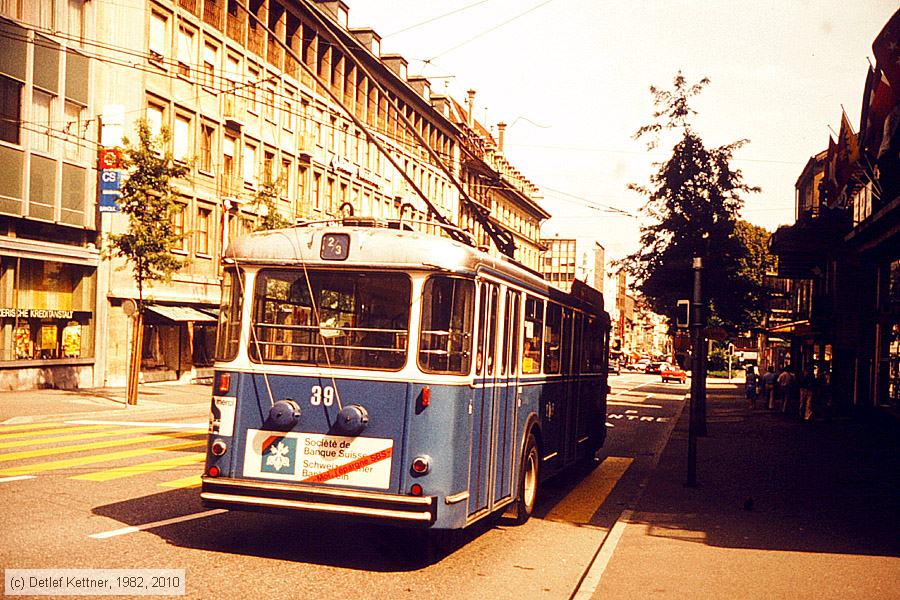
(571,78)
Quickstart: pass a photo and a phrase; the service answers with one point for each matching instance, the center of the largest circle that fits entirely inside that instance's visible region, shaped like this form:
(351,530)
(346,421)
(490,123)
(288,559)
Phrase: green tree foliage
(148,198)
(266,203)
(692,203)
(753,262)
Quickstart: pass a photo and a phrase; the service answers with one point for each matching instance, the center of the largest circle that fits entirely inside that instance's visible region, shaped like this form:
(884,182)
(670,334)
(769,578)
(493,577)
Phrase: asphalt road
(123,495)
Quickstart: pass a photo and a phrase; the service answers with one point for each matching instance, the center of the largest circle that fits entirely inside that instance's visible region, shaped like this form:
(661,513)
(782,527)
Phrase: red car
(672,372)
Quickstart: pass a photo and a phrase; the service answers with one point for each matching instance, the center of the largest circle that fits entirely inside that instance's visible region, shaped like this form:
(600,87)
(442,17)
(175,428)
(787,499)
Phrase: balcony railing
(212,13)
(235,26)
(274,51)
(256,40)
(190,5)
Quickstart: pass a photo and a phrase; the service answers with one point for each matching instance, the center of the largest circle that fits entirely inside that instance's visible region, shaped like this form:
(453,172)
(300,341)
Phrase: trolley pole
(698,375)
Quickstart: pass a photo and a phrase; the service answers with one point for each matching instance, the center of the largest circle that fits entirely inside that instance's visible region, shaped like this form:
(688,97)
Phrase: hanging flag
(828,187)
(887,50)
(877,104)
(846,161)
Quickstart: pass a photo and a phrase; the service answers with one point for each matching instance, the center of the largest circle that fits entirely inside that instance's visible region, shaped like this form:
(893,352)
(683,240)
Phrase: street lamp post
(697,421)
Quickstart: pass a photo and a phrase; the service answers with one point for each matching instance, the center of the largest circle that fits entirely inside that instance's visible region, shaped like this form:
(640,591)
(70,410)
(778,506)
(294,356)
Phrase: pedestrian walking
(750,383)
(768,386)
(807,393)
(786,384)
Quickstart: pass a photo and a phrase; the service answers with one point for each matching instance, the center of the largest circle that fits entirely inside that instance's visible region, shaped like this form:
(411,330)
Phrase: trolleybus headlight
(218,448)
(352,419)
(284,414)
(421,465)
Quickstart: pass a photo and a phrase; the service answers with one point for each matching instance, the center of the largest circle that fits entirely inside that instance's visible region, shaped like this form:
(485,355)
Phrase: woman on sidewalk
(750,386)
(807,393)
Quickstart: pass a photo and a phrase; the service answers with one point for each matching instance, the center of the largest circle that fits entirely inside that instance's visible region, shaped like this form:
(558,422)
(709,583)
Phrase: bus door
(505,398)
(582,390)
(572,399)
(483,402)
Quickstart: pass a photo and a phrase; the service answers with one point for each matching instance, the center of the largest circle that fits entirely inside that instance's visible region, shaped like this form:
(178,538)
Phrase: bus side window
(553,339)
(482,322)
(532,336)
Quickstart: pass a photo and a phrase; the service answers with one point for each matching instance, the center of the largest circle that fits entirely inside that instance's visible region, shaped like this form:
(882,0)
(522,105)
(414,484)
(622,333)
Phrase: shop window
(48,314)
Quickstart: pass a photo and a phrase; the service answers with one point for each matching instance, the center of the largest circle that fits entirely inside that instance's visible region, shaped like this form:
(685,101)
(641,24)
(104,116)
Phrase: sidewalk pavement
(154,399)
(782,509)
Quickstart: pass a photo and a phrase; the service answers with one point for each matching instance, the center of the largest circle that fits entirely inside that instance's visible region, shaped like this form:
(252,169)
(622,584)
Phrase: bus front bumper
(240,494)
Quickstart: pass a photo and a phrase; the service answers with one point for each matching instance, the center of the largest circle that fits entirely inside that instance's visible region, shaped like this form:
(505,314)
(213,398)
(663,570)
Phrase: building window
(181,138)
(252,85)
(286,179)
(11,8)
(75,18)
(249,164)
(157,45)
(210,62)
(206,148)
(287,111)
(41,111)
(202,230)
(269,103)
(44,13)
(317,191)
(301,188)
(10,109)
(185,51)
(178,212)
(155,118)
(268,167)
(229,147)
(74,130)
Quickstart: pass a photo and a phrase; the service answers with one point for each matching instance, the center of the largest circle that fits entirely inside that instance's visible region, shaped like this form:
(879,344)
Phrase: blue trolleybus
(369,371)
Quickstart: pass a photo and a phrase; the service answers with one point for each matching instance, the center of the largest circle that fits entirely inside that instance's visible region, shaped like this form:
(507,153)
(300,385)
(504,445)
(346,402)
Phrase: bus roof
(387,248)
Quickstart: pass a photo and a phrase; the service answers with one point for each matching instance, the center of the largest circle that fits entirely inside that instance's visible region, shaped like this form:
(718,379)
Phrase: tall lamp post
(697,420)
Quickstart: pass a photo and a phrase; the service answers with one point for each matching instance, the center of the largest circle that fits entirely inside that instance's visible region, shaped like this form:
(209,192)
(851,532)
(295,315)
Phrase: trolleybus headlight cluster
(421,465)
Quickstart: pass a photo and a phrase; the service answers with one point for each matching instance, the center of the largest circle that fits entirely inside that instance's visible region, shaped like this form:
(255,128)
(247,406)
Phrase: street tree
(754,261)
(692,205)
(266,204)
(149,200)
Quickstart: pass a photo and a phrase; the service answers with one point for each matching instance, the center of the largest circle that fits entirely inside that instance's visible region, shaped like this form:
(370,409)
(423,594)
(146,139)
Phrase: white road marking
(202,426)
(17,478)
(633,404)
(136,528)
(592,578)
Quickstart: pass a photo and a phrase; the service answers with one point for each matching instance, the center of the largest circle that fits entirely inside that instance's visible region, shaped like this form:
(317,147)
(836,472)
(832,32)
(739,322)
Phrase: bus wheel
(528,480)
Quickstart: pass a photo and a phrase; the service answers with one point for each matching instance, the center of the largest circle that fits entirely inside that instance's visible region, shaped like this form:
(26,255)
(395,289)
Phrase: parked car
(653,367)
(639,365)
(670,372)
